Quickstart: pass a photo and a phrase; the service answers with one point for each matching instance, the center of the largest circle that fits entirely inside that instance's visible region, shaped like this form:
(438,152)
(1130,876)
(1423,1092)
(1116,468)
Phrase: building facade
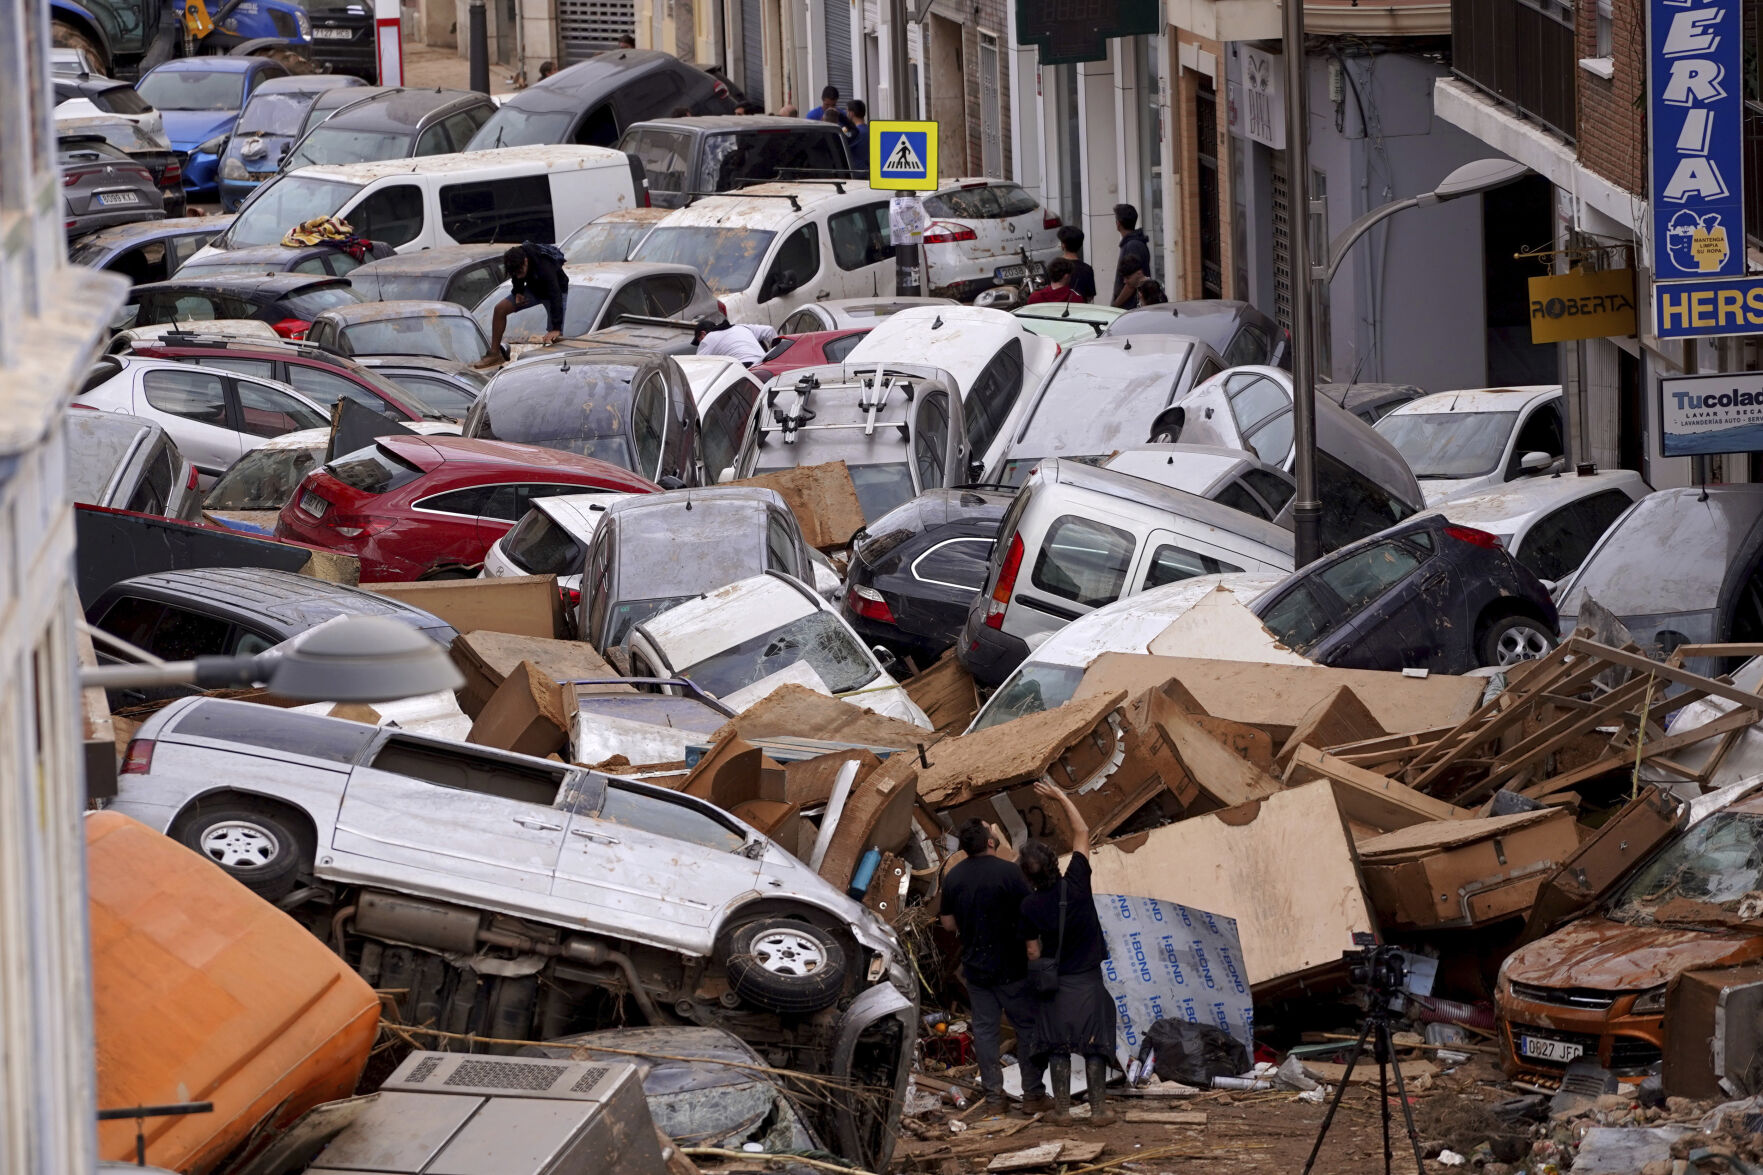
(52,318)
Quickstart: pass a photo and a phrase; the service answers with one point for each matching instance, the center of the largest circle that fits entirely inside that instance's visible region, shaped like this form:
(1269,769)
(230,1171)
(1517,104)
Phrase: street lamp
(350,659)
(1480,175)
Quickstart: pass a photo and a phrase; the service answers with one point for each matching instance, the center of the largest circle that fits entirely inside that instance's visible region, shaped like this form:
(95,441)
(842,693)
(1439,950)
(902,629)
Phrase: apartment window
(1606,43)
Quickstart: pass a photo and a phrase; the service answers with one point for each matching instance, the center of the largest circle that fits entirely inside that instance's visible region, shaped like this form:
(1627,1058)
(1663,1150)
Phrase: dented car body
(513,897)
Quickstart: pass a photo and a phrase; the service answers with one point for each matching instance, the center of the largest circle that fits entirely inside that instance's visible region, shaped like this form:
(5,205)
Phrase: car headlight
(232,169)
(303,23)
(213,146)
(1650,1002)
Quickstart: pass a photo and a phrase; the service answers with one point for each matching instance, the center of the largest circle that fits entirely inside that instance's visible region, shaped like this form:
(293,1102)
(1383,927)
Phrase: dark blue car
(200,99)
(272,120)
(1425,594)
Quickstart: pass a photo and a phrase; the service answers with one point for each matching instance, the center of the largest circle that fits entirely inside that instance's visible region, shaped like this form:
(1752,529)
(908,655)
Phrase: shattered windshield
(1449,444)
(819,639)
(1713,873)
(263,479)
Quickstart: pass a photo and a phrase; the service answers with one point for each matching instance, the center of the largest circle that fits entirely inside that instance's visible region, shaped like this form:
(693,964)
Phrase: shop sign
(1700,414)
(1582,305)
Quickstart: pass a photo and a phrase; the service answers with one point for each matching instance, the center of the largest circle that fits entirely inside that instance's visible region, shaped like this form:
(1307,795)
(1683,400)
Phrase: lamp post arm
(203,672)
(1338,248)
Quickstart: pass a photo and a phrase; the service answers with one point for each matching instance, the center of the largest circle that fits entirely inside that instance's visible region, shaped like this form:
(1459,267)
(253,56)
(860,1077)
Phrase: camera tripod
(1377,1031)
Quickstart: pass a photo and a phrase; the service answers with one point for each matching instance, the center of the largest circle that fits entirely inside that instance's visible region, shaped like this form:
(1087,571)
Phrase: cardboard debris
(1014,752)
(733,773)
(795,712)
(1219,627)
(1465,872)
(1716,1019)
(1249,743)
(487,656)
(822,498)
(527,714)
(808,782)
(1283,867)
(1339,718)
(1219,773)
(877,814)
(886,894)
(1276,698)
(527,605)
(946,694)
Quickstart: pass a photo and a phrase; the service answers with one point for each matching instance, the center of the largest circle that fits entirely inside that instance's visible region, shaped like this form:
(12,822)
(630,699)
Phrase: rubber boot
(1059,1077)
(1096,1075)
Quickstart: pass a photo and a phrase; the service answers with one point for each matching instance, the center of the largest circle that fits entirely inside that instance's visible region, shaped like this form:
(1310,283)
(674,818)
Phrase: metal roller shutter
(838,46)
(752,50)
(587,27)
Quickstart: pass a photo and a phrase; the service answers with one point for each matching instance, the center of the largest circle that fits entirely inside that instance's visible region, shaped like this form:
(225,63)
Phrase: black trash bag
(1194,1054)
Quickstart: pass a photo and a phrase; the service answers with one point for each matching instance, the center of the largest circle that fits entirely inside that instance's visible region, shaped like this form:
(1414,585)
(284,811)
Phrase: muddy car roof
(442,259)
(400,108)
(739,122)
(297,602)
(1079,475)
(273,284)
(359,312)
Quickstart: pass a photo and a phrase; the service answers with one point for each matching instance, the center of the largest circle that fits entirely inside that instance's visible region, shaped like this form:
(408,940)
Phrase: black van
(591,103)
(684,157)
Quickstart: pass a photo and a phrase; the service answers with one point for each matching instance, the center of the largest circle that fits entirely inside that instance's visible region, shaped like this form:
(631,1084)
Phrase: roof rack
(795,204)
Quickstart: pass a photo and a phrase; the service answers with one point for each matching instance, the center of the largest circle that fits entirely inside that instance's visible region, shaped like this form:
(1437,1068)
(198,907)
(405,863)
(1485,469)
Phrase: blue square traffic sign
(903,155)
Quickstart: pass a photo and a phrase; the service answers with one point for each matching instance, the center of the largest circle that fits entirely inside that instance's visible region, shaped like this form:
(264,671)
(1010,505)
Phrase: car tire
(258,845)
(783,965)
(1512,639)
(66,36)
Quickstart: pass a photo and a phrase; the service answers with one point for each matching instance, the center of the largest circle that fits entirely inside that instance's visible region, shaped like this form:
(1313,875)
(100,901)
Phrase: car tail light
(354,527)
(1006,584)
(571,596)
(291,328)
(720,90)
(721,309)
(193,480)
(1049,221)
(948,234)
(1475,538)
(138,759)
(172,176)
(868,603)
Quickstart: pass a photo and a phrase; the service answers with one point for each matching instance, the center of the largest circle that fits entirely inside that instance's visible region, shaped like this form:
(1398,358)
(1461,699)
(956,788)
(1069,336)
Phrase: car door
(1168,557)
(260,410)
(793,275)
(1542,430)
(191,405)
(1080,563)
(392,215)
(451,817)
(860,248)
(933,465)
(1380,591)
(724,427)
(659,869)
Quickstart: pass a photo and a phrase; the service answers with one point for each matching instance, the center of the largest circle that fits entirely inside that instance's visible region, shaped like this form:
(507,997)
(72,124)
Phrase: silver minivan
(1079,537)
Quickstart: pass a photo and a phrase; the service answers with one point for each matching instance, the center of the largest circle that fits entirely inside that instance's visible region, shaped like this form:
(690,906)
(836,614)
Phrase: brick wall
(990,16)
(1612,113)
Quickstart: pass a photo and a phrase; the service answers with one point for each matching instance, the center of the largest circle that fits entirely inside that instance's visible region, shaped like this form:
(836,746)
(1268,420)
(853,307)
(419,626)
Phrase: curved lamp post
(1480,175)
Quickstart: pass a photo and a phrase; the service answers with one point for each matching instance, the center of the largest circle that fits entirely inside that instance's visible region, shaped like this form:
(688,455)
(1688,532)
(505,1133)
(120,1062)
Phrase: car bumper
(234,192)
(200,175)
(1625,1043)
(921,648)
(988,654)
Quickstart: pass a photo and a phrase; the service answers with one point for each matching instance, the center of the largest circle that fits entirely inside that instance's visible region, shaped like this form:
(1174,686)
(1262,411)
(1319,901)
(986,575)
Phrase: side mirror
(976,469)
(884,657)
(1166,429)
(726,476)
(1535,462)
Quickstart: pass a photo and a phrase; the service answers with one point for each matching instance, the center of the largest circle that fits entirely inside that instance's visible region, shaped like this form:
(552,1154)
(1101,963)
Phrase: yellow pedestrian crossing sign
(903,155)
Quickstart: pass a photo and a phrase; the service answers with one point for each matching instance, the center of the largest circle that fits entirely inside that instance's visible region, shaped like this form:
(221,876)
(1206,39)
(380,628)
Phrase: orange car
(203,991)
(1596,987)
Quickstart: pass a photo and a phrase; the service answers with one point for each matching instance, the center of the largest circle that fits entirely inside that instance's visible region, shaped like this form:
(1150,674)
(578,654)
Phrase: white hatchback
(978,226)
(741,642)
(1460,442)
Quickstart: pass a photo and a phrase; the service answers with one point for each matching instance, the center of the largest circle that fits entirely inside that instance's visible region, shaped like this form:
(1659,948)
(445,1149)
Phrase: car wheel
(66,36)
(785,966)
(257,845)
(1513,639)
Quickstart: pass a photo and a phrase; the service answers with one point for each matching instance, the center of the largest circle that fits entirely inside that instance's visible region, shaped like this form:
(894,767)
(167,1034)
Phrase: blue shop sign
(1695,83)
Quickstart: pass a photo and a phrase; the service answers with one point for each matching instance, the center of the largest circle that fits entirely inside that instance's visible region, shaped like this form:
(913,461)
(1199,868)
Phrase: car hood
(259,150)
(1443,489)
(1615,956)
(188,129)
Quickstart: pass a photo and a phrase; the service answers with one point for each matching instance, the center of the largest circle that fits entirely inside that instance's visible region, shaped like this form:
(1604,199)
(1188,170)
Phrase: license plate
(332,34)
(1543,1049)
(314,505)
(109,199)
(1009,273)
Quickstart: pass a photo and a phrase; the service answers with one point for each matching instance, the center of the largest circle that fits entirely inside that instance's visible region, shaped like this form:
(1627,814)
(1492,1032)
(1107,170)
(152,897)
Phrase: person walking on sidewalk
(536,278)
(1133,243)
(1059,922)
(980,902)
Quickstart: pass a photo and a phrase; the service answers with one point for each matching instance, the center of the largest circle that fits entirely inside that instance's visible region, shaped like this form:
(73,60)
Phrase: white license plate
(314,505)
(109,199)
(1009,273)
(332,34)
(1542,1049)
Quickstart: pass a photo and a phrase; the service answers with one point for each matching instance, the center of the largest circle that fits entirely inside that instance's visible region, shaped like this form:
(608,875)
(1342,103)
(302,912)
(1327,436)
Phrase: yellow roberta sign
(903,156)
(1582,305)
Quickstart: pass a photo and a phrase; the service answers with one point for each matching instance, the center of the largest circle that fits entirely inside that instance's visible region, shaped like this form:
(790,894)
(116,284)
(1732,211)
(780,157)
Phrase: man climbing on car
(537,279)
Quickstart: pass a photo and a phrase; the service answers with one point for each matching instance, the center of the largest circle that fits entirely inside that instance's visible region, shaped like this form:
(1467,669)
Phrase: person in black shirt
(1079,1017)
(1071,247)
(980,900)
(536,275)
(1133,244)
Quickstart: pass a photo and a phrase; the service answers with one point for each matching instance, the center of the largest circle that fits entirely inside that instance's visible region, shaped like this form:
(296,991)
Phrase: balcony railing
(1521,52)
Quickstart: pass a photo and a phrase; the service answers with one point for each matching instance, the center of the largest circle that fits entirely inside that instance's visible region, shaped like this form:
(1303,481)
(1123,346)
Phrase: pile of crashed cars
(741,648)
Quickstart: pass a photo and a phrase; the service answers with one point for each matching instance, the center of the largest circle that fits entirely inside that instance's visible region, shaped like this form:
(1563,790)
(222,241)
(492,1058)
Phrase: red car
(808,349)
(319,375)
(414,507)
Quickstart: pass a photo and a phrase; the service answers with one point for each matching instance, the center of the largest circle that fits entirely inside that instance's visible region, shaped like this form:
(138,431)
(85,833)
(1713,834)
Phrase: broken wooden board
(1339,718)
(1250,743)
(1283,867)
(1073,1151)
(1044,1155)
(1277,697)
(946,694)
(1331,1073)
(1368,797)
(822,498)
(797,712)
(1213,767)
(1166,1117)
(1011,753)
